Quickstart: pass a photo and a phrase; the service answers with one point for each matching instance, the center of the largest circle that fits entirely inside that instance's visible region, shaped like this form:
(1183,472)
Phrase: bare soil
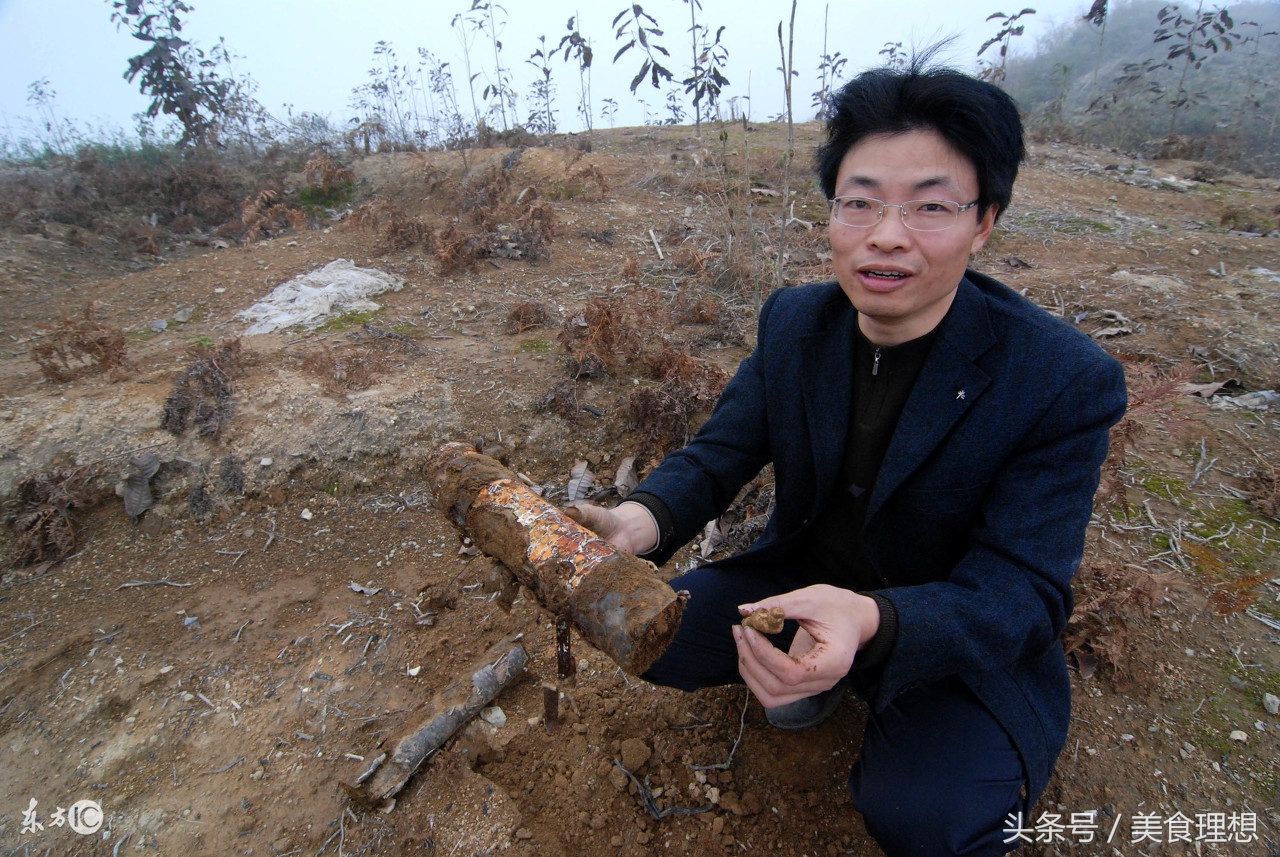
(209,675)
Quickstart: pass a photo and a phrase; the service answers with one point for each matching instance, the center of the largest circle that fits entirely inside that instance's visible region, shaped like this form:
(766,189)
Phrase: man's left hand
(834,624)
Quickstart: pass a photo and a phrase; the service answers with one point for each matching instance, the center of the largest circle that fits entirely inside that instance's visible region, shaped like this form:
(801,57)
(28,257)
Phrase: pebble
(307,515)
(266,462)
(1271,703)
(494,716)
(1239,735)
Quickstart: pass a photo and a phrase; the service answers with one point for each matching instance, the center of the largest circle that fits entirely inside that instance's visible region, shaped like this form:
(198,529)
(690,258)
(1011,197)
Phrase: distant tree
(709,58)
(829,71)
(609,110)
(1009,30)
(895,56)
(1097,16)
(181,79)
(1192,40)
(575,45)
(542,119)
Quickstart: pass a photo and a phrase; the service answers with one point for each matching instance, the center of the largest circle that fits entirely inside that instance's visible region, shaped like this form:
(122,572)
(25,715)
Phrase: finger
(592,517)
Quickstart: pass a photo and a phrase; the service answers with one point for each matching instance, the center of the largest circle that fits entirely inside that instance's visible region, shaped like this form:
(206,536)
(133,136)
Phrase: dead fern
(394,228)
(203,396)
(78,347)
(264,213)
(325,176)
(45,525)
(663,414)
(344,370)
(527,315)
(1112,600)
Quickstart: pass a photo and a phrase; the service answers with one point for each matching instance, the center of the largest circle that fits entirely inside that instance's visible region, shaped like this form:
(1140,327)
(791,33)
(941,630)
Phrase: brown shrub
(203,396)
(527,315)
(663,414)
(456,250)
(394,228)
(324,175)
(264,214)
(561,399)
(80,346)
(343,370)
(1111,597)
(45,525)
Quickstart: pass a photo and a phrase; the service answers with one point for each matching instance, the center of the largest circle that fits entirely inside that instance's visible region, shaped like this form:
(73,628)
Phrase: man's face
(900,280)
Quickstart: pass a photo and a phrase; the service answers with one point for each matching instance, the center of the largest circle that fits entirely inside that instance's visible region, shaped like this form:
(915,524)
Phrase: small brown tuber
(765,621)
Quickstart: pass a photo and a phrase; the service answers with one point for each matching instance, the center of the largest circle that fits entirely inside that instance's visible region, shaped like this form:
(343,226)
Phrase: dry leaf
(581,481)
(627,478)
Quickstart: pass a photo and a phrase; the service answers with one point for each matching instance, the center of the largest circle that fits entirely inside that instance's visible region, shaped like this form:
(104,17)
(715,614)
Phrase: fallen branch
(224,768)
(165,582)
(447,712)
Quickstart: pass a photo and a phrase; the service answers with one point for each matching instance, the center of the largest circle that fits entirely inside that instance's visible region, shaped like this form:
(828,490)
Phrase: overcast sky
(312,53)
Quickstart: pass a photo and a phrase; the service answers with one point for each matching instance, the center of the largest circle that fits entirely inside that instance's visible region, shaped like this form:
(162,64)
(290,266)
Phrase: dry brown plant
(393,227)
(663,414)
(527,315)
(203,396)
(1113,597)
(80,346)
(324,175)
(263,213)
(343,370)
(45,524)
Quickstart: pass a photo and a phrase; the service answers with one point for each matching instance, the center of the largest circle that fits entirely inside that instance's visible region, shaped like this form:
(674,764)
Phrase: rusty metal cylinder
(617,602)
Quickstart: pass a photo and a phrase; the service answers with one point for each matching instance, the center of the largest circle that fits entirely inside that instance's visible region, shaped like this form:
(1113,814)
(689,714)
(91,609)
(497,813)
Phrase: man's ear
(985,225)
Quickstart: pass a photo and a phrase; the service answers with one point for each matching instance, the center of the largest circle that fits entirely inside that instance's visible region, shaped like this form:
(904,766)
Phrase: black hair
(976,118)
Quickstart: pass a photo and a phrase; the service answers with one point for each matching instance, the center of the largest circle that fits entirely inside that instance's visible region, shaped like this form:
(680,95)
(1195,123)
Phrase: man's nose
(891,230)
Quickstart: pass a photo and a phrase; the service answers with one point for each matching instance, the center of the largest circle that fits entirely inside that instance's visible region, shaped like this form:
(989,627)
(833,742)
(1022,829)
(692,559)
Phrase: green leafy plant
(1192,40)
(182,80)
(640,28)
(576,46)
(1009,30)
(706,78)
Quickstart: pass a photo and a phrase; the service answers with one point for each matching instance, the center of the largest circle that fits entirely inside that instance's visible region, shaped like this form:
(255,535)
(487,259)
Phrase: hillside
(209,674)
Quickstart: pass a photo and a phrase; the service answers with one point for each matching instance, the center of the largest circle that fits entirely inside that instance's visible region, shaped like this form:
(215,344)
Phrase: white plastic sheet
(311,299)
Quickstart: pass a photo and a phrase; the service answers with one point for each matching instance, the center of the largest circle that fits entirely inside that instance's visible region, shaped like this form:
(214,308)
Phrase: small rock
(158,325)
(1239,735)
(266,462)
(524,833)
(619,779)
(1260,726)
(1271,703)
(413,671)
(183,315)
(494,716)
(635,753)
(1126,737)
(307,515)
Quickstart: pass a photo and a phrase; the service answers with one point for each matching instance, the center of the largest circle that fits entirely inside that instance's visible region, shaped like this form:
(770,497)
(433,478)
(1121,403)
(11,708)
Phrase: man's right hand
(628,526)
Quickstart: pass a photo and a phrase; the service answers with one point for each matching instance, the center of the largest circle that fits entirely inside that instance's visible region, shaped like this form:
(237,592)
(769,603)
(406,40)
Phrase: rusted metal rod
(618,602)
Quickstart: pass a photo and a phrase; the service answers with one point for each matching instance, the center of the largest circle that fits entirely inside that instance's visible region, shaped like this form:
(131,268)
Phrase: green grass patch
(142,335)
(339,193)
(534,346)
(201,341)
(346,321)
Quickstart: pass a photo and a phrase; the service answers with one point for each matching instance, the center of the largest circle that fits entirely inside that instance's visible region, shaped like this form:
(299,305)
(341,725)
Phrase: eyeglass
(922,215)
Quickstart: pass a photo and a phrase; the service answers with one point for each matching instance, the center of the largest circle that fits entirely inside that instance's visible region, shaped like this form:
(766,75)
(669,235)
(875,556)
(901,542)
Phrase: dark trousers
(937,774)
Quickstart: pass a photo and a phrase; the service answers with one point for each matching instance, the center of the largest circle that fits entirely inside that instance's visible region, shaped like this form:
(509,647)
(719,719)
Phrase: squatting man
(936,441)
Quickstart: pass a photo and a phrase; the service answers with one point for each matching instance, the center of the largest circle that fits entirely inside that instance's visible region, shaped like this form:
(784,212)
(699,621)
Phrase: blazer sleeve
(700,481)
(1009,597)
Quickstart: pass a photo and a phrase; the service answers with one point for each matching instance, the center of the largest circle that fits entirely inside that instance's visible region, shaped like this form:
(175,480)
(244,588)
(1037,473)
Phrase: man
(936,441)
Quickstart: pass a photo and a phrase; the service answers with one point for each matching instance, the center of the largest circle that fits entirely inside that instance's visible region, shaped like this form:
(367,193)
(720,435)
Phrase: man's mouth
(885,275)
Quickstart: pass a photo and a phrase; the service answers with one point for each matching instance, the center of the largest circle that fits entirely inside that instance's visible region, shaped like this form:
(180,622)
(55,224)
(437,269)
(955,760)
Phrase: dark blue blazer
(977,519)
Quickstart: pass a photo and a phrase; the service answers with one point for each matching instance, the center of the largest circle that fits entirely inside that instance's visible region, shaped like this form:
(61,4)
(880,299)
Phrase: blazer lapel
(949,384)
(827,382)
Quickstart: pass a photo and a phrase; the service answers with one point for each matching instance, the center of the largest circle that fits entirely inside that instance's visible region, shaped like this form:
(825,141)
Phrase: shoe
(807,712)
